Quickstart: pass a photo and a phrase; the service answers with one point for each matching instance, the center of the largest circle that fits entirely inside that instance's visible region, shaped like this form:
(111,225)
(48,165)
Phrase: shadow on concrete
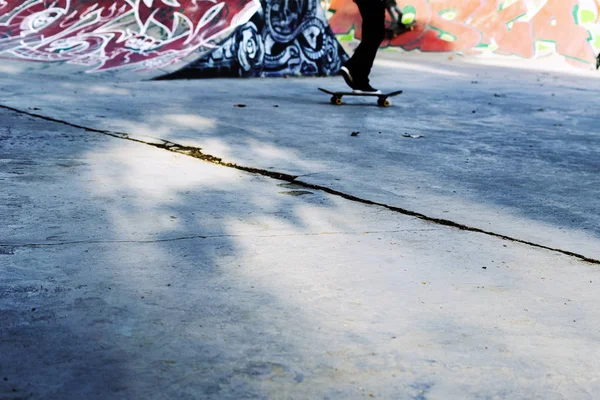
(125,275)
(132,272)
(504,149)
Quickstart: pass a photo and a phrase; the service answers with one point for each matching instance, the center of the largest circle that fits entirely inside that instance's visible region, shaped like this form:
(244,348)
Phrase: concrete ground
(232,239)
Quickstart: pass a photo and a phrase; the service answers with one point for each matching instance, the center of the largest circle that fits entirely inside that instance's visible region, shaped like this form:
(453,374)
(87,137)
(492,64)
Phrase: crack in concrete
(196,152)
(194,237)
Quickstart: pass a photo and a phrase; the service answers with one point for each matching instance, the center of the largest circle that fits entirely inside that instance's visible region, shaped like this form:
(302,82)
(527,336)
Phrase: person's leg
(373,32)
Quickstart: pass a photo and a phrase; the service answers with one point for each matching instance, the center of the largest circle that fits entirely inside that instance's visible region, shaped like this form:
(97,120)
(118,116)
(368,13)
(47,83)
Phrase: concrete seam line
(194,237)
(196,152)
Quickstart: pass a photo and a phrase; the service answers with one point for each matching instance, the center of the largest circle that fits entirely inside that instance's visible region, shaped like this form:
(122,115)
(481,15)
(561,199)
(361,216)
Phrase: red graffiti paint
(105,34)
(423,37)
(476,24)
(345,17)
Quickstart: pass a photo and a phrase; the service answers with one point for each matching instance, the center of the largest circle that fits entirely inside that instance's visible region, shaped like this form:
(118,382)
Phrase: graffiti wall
(227,37)
(281,37)
(523,28)
(286,37)
(103,35)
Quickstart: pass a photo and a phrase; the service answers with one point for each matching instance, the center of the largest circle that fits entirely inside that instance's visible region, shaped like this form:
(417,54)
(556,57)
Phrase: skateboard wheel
(384,102)
(337,101)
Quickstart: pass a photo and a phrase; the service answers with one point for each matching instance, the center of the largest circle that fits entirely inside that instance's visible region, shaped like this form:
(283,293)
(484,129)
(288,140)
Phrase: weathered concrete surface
(507,150)
(132,272)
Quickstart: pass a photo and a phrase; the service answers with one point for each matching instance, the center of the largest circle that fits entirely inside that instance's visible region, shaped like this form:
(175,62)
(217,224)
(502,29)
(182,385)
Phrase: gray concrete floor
(507,150)
(129,271)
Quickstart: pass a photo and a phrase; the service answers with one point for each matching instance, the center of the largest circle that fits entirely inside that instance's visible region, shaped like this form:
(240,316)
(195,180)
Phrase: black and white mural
(286,37)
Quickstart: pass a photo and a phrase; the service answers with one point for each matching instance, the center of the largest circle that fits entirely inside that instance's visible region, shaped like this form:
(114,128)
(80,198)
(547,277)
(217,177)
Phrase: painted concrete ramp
(157,37)
(117,35)
(286,38)
(270,38)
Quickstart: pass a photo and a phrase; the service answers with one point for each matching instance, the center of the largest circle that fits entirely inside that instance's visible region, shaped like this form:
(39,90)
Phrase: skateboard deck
(382,98)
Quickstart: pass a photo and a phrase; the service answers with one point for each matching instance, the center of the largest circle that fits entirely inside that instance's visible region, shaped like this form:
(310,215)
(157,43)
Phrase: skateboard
(382,98)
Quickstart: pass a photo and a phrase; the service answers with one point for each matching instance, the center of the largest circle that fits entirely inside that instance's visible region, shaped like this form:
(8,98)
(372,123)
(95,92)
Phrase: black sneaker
(366,88)
(347,76)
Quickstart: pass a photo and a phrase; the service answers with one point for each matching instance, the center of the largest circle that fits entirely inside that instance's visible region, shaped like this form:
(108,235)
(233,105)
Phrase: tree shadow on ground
(161,275)
(123,274)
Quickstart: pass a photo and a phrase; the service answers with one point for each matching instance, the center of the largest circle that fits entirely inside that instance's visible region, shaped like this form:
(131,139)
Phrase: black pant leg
(373,33)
